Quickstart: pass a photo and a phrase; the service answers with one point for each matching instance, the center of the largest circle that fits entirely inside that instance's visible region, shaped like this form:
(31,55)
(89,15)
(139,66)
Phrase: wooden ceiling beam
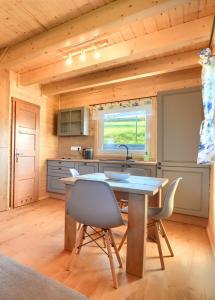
(157,43)
(95,23)
(137,70)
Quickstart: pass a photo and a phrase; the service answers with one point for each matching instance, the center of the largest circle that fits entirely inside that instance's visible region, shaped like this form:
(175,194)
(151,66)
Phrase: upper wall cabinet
(73,121)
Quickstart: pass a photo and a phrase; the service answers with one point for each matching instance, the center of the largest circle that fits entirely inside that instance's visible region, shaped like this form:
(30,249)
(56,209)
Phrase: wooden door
(26,146)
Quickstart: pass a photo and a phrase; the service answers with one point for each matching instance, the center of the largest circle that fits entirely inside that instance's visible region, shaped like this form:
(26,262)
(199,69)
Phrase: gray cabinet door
(72,122)
(180,114)
(58,169)
(87,168)
(179,117)
(141,170)
(193,191)
(55,186)
(111,167)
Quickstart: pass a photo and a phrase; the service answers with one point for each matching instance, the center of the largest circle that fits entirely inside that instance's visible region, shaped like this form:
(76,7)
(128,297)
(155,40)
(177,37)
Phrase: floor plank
(33,235)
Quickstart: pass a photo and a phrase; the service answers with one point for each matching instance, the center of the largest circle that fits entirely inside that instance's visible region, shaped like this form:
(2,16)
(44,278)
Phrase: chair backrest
(168,204)
(93,203)
(74,172)
(135,171)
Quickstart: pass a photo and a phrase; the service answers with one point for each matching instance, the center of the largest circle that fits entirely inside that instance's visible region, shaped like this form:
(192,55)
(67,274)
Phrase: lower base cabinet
(58,169)
(192,196)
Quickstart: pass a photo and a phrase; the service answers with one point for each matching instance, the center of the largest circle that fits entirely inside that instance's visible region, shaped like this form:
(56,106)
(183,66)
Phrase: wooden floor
(33,235)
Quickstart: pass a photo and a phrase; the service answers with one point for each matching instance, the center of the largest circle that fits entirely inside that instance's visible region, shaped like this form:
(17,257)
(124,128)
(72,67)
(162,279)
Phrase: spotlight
(83,56)
(96,54)
(69,60)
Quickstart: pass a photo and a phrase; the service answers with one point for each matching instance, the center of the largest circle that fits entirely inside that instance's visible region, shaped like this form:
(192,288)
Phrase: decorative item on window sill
(98,110)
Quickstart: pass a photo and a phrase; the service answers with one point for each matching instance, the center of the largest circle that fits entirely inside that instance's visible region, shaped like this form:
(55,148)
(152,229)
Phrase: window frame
(116,153)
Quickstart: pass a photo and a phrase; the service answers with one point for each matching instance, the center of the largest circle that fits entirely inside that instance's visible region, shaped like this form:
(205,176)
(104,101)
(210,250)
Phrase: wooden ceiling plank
(162,20)
(160,42)
(191,10)
(97,22)
(129,72)
(150,25)
(138,28)
(176,15)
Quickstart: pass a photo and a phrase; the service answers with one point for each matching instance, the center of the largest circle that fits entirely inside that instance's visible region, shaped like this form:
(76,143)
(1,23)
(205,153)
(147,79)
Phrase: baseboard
(192,220)
(211,240)
(56,196)
(43,197)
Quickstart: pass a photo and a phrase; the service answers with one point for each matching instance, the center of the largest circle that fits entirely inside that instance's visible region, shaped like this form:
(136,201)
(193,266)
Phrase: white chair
(156,214)
(74,172)
(94,205)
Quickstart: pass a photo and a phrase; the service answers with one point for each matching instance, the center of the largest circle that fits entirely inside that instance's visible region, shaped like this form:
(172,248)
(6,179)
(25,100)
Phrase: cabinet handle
(159,163)
(59,168)
(85,164)
(60,162)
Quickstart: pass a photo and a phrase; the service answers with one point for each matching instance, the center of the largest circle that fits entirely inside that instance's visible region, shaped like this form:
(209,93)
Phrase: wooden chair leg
(82,236)
(115,248)
(166,238)
(123,240)
(115,281)
(156,225)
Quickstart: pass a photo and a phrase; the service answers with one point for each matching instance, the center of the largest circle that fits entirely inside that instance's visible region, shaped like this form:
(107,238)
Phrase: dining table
(142,191)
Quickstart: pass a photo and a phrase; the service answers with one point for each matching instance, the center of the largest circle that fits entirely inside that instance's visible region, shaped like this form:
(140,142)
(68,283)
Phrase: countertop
(108,161)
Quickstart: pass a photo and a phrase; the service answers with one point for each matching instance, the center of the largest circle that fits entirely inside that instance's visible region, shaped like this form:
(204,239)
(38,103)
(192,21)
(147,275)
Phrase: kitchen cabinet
(141,170)
(111,167)
(73,122)
(178,139)
(87,168)
(192,194)
(58,169)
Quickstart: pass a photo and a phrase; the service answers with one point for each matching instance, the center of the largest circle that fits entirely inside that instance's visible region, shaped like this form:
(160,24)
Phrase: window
(130,127)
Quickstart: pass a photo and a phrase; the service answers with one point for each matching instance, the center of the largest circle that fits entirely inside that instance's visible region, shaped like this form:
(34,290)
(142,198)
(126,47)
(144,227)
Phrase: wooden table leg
(154,201)
(137,233)
(70,224)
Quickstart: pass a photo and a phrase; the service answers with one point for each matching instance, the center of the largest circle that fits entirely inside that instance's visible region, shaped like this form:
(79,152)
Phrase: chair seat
(154,211)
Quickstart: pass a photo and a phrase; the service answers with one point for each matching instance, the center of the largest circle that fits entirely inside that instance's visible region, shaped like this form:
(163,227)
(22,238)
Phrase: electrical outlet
(75,148)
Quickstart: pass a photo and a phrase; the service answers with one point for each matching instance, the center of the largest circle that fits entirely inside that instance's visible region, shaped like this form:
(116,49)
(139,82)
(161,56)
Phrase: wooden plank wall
(122,91)
(48,138)
(211,222)
(4,139)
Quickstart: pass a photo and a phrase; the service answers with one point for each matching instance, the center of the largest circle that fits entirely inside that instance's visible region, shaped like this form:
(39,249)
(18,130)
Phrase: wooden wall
(4,139)
(211,223)
(48,138)
(122,91)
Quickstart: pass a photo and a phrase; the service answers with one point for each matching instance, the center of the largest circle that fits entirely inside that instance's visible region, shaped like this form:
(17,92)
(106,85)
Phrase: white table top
(134,184)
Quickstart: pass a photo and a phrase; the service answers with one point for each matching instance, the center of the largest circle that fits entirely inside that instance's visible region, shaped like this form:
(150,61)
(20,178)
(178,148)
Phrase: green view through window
(125,128)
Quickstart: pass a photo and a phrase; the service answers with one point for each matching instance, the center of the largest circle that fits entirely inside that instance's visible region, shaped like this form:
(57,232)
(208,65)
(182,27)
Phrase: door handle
(17,156)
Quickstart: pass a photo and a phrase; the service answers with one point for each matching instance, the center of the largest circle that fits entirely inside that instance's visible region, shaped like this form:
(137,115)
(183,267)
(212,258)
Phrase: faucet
(127,155)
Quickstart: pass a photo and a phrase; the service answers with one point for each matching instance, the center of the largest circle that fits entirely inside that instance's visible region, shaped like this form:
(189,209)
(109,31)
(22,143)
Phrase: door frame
(15,100)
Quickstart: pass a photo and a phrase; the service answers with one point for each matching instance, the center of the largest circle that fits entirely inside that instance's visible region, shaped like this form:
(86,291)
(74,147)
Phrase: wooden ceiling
(22,19)
(152,31)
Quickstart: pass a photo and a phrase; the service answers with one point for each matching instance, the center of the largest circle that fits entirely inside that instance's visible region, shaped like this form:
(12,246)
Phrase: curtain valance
(98,110)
